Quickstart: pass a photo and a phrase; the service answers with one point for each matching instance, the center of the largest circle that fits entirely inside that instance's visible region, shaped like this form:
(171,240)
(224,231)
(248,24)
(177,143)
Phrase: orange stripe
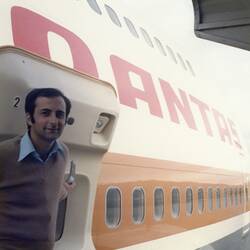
(127,172)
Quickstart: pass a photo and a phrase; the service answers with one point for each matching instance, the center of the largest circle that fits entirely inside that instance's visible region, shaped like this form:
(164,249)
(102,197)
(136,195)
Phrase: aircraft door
(88,133)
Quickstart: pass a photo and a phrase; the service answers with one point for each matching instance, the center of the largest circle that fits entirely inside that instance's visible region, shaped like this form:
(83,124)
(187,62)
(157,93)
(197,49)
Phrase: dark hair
(30,100)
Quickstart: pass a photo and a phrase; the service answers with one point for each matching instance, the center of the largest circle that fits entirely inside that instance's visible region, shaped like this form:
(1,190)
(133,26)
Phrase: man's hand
(66,189)
(69,186)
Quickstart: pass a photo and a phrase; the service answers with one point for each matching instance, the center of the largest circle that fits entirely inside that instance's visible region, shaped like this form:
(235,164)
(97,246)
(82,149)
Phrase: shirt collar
(27,148)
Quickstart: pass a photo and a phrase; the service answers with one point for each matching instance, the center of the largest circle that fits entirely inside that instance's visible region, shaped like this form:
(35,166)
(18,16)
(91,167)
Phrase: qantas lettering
(128,95)
(30,32)
(183,106)
(203,108)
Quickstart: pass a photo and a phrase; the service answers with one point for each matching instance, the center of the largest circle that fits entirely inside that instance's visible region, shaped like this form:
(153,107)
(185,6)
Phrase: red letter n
(173,102)
(30,32)
(128,93)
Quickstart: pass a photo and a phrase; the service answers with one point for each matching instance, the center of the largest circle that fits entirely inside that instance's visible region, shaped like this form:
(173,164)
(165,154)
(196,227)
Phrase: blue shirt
(27,148)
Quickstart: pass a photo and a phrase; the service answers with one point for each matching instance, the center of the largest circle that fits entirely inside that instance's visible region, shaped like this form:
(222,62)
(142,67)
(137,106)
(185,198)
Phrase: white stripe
(195,238)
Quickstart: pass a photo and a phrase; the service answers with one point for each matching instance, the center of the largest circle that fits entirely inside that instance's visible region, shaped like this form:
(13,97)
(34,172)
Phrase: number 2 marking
(16,102)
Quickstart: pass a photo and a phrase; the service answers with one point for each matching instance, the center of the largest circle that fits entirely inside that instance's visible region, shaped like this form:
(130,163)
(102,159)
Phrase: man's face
(49,119)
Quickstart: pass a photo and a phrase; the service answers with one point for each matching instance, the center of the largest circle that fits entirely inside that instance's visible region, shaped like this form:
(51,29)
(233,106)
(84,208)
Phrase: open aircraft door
(94,112)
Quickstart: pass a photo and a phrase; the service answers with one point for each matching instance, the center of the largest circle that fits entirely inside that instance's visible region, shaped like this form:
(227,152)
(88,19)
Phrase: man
(32,171)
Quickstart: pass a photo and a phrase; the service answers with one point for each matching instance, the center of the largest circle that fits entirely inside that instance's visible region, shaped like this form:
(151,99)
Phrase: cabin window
(200,200)
(217,198)
(171,53)
(158,203)
(131,27)
(160,46)
(210,199)
(225,198)
(231,197)
(241,195)
(190,67)
(189,201)
(94,6)
(236,196)
(146,37)
(181,61)
(175,202)
(113,16)
(113,207)
(138,205)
